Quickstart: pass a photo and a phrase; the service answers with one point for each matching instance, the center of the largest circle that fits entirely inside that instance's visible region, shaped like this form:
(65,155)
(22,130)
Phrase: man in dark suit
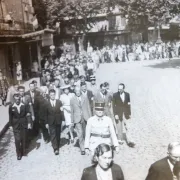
(20,121)
(163,169)
(54,120)
(43,100)
(80,113)
(34,95)
(103,167)
(122,112)
(87,94)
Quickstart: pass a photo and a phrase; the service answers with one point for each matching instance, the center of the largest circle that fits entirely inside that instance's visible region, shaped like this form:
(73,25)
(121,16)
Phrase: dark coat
(35,104)
(53,114)
(160,170)
(90,173)
(42,107)
(121,108)
(16,119)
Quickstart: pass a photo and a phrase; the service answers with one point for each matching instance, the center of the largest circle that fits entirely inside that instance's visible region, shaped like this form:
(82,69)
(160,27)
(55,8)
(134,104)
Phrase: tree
(79,15)
(144,13)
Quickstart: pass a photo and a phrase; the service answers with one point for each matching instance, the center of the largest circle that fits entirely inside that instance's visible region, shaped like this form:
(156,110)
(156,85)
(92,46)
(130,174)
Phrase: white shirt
(32,96)
(53,103)
(18,106)
(103,96)
(171,168)
(103,175)
(122,96)
(84,93)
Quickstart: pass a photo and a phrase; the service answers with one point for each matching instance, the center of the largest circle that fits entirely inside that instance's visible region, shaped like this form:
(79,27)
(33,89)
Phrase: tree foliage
(142,13)
(79,14)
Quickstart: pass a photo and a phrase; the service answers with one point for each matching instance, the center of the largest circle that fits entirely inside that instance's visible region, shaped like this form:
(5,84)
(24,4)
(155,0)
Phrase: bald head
(174,152)
(77,91)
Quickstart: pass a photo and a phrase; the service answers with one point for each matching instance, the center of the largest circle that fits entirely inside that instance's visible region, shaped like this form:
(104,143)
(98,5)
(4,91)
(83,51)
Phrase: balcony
(14,27)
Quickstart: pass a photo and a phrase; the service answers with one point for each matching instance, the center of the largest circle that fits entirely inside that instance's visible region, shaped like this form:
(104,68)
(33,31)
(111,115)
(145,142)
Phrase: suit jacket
(19,119)
(90,173)
(120,107)
(53,114)
(42,107)
(160,170)
(35,103)
(80,111)
(27,101)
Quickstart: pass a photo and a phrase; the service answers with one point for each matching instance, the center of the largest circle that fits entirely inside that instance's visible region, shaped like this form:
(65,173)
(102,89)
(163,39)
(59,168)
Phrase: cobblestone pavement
(155,123)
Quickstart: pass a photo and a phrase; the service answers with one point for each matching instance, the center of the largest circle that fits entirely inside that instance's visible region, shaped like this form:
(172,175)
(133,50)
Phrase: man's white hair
(172,145)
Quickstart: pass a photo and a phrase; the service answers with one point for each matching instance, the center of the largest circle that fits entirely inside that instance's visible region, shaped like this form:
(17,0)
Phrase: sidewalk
(4,117)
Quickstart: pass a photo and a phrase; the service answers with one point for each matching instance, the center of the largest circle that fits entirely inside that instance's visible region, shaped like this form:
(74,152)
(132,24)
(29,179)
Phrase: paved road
(155,122)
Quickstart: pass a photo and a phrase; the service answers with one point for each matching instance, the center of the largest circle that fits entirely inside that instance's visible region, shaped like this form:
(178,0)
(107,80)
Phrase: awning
(37,33)
(30,35)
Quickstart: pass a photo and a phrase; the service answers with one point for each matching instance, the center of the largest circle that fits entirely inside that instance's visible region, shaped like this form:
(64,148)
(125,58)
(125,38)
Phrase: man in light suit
(87,94)
(163,169)
(80,113)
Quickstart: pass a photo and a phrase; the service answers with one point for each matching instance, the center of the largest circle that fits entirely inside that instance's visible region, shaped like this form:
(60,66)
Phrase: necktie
(32,96)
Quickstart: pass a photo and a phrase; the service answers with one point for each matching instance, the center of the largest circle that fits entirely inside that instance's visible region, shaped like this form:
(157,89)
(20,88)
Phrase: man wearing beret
(20,121)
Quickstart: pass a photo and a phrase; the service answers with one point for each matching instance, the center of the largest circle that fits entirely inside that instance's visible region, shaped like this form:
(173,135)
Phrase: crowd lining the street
(70,100)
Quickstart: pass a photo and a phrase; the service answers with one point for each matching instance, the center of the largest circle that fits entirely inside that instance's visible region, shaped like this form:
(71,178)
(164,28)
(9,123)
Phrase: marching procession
(69,100)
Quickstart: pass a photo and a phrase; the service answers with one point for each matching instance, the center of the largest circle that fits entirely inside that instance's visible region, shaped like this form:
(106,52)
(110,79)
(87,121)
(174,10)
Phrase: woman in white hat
(65,99)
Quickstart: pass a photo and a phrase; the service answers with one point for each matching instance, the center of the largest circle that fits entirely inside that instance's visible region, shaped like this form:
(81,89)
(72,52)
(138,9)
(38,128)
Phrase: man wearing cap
(92,86)
(99,130)
(20,121)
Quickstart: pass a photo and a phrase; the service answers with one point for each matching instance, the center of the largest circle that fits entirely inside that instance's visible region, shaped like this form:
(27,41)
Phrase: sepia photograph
(89,89)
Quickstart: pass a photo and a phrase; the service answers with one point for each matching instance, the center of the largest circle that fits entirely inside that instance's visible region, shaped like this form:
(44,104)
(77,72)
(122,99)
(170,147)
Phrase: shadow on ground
(4,143)
(167,64)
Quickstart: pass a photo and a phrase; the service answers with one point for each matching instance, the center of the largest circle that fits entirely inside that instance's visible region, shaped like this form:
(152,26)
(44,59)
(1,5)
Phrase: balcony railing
(14,27)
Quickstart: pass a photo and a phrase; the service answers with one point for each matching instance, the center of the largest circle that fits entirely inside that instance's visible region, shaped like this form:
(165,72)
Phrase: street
(155,102)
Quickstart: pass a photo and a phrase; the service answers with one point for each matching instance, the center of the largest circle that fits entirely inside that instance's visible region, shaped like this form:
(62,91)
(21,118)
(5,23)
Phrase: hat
(99,106)
(16,95)
(92,78)
(65,87)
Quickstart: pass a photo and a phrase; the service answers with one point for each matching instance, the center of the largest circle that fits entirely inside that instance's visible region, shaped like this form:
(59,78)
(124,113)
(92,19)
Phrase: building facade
(18,39)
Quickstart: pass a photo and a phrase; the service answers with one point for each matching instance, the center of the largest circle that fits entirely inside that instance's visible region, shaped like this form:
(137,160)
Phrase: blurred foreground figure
(103,168)
(163,169)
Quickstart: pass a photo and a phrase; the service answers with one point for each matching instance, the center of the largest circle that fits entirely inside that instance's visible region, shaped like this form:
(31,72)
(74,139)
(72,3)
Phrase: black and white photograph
(90,90)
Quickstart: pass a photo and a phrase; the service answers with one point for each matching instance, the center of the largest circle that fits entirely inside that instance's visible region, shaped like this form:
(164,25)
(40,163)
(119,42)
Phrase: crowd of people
(69,99)
(137,52)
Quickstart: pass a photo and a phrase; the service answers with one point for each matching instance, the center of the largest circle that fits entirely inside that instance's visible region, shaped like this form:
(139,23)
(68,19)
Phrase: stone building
(18,39)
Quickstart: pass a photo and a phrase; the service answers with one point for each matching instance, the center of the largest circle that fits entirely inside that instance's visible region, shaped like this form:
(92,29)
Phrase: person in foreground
(103,168)
(163,169)
(20,121)
(99,130)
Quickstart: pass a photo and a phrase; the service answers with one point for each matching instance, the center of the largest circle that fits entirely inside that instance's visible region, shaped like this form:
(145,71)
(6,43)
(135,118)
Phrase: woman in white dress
(65,99)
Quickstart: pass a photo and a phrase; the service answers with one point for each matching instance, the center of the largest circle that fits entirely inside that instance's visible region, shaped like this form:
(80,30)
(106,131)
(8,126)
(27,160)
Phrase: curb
(4,130)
